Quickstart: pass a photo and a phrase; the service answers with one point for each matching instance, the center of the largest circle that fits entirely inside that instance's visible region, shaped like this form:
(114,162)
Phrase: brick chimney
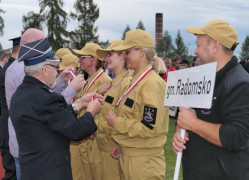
(159,27)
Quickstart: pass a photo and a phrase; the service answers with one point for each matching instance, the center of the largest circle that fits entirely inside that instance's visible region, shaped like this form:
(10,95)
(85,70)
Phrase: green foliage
(125,31)
(166,47)
(32,20)
(180,49)
(1,21)
(56,20)
(86,13)
(104,44)
(1,46)
(140,25)
(244,54)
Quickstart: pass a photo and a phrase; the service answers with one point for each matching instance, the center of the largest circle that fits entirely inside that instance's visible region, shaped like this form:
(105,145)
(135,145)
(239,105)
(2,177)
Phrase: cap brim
(122,47)
(195,30)
(79,52)
(53,58)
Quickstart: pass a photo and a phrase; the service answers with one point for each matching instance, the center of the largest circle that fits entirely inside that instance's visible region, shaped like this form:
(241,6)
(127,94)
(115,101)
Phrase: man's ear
(216,46)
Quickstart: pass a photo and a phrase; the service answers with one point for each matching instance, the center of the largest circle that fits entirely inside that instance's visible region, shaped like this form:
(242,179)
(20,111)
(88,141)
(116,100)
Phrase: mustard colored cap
(113,44)
(218,30)
(91,49)
(69,60)
(136,38)
(62,51)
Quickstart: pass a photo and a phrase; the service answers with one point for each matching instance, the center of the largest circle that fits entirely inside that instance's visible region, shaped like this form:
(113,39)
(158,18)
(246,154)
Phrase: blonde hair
(157,63)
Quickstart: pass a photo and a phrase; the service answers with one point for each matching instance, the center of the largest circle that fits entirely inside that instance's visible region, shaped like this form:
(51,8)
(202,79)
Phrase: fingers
(178,143)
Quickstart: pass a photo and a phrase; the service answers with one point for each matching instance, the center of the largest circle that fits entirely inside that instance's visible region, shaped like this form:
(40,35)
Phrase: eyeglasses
(57,67)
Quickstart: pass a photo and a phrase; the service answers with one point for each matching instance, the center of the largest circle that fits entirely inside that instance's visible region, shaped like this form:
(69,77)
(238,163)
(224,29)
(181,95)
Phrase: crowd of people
(65,116)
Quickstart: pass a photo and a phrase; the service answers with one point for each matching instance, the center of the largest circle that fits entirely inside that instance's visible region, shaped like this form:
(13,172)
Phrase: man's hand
(111,118)
(85,100)
(187,118)
(94,107)
(78,82)
(177,141)
(66,75)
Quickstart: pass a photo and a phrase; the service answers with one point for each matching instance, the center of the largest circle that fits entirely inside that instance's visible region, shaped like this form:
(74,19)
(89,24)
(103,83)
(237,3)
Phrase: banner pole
(179,158)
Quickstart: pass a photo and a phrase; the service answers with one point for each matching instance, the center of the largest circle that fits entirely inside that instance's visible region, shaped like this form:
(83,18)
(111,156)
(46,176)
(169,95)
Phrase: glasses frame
(57,67)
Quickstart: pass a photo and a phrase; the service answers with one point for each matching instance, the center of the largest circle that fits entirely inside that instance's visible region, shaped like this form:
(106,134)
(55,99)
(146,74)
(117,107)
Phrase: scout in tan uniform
(85,155)
(141,120)
(61,52)
(116,63)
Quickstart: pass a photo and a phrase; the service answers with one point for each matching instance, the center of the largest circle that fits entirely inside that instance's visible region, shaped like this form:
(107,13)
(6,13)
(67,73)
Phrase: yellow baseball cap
(113,44)
(62,51)
(91,49)
(69,60)
(136,38)
(219,30)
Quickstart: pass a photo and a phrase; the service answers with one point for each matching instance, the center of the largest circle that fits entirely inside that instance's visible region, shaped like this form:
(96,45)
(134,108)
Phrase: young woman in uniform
(140,120)
(116,63)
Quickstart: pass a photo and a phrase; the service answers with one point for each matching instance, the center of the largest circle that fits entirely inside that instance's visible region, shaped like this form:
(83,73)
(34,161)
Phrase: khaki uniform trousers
(91,159)
(76,162)
(144,167)
(109,165)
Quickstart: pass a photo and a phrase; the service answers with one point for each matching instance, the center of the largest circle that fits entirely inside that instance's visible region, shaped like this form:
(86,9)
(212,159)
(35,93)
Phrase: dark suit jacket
(4,133)
(44,126)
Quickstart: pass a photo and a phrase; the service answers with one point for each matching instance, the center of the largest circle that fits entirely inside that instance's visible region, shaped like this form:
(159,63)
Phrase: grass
(169,154)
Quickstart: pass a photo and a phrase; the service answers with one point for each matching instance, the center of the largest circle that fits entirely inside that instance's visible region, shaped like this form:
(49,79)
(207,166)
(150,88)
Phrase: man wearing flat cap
(217,143)
(7,159)
(43,121)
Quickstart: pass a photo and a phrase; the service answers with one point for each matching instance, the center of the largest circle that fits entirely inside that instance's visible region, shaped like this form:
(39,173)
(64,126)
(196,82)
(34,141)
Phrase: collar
(221,73)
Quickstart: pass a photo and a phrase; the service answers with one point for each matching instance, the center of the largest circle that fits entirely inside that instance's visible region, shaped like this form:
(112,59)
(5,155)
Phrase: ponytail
(157,63)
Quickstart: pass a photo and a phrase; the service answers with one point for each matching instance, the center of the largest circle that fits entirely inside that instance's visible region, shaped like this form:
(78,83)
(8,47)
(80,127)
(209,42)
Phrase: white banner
(192,87)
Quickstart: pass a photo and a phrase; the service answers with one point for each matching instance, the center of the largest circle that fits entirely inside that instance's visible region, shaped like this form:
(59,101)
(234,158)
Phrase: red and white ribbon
(133,85)
(95,78)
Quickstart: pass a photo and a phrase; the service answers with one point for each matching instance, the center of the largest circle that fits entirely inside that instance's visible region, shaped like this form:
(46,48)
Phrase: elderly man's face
(51,71)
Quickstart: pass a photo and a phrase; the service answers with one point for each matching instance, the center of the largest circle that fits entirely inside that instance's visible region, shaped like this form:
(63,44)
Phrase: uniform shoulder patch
(149,115)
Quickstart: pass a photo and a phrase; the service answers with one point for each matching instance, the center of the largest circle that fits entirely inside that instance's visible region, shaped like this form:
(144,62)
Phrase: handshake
(92,102)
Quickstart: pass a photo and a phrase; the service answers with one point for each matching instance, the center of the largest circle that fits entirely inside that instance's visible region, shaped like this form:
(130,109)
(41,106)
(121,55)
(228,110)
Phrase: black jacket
(44,126)
(4,133)
(230,107)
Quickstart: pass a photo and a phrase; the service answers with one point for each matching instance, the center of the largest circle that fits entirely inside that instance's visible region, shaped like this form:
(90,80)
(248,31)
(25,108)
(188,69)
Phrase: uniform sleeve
(151,115)
(56,114)
(68,93)
(60,85)
(234,135)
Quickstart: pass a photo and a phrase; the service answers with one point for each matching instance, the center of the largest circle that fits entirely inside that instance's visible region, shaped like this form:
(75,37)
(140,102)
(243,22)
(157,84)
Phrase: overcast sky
(116,14)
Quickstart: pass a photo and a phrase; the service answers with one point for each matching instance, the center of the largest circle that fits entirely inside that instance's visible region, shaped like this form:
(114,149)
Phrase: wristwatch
(74,108)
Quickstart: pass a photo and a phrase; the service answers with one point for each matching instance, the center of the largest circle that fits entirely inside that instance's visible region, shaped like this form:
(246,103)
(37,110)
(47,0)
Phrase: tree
(86,13)
(1,21)
(125,31)
(166,47)
(32,20)
(56,20)
(1,24)
(140,25)
(104,44)
(181,49)
(244,54)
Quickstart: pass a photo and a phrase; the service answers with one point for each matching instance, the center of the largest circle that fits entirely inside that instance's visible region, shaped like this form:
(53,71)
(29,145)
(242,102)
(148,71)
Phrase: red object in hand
(73,73)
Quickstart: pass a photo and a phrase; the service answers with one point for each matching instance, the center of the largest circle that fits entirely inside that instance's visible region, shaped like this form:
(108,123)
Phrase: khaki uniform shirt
(142,122)
(119,85)
(104,78)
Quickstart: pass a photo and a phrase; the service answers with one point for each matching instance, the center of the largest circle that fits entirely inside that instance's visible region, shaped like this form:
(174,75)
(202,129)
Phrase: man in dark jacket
(7,159)
(217,145)
(43,121)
